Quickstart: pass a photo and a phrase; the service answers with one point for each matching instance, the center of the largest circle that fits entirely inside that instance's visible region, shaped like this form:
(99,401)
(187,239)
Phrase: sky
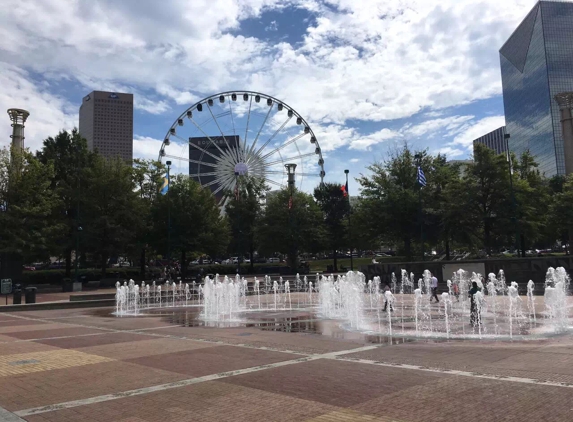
(366,75)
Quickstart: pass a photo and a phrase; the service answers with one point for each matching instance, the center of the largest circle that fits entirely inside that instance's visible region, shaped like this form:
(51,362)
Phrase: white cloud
(365,142)
(477,129)
(273,26)
(355,160)
(360,61)
(450,152)
(48,113)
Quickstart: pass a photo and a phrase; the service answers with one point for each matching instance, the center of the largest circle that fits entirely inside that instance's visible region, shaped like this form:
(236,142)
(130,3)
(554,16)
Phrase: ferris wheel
(231,135)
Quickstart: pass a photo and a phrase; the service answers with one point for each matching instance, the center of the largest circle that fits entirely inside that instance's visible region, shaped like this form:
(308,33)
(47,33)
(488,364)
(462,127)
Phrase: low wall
(520,270)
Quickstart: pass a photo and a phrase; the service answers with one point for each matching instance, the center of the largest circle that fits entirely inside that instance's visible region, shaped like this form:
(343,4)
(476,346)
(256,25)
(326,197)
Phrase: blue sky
(367,76)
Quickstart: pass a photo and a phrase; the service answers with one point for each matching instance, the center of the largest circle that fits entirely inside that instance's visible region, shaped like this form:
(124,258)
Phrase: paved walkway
(83,365)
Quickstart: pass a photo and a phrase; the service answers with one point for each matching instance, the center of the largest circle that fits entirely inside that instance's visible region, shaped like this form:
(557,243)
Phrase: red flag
(344,189)
(237,191)
(290,203)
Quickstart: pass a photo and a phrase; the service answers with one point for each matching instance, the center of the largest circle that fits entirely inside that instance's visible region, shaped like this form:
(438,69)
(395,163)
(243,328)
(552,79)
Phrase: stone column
(565,101)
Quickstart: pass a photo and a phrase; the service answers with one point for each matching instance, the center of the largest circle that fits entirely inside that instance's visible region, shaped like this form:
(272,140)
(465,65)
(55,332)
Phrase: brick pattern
(52,357)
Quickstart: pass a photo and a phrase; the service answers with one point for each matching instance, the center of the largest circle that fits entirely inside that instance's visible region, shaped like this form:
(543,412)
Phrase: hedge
(57,276)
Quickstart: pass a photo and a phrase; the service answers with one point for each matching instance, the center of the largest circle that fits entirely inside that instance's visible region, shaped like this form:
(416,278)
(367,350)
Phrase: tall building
(106,121)
(536,65)
(494,140)
(209,152)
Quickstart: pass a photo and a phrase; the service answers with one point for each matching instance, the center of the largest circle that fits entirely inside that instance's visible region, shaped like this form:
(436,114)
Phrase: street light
(349,228)
(168,212)
(291,168)
(237,197)
(513,203)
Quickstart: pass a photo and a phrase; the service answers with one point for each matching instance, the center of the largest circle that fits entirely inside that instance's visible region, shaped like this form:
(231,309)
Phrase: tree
(561,212)
(488,196)
(242,211)
(392,196)
(29,226)
(290,229)
(532,201)
(197,225)
(147,177)
(68,153)
(112,214)
(335,208)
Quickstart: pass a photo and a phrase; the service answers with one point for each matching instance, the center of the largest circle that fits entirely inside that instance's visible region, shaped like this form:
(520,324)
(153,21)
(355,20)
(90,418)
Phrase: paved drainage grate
(24,362)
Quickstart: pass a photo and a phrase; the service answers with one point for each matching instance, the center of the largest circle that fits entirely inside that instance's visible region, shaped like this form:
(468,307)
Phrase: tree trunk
(69,262)
(448,257)
(522,239)
(487,234)
(251,253)
(183,265)
(142,263)
(103,265)
(408,248)
(335,258)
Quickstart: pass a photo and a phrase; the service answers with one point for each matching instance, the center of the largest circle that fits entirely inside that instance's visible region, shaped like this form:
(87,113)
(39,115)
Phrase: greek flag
(421,177)
(165,185)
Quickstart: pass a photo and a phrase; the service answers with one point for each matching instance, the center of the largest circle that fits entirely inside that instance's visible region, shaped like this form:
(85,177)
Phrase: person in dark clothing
(473,305)
(388,298)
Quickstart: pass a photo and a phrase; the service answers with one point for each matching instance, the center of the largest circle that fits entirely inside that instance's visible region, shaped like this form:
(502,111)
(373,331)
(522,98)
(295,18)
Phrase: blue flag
(421,177)
(165,185)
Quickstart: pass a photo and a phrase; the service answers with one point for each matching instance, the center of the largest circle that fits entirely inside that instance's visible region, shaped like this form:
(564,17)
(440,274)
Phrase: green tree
(68,153)
(392,197)
(243,210)
(29,225)
(488,196)
(335,208)
(532,201)
(148,177)
(288,227)
(112,215)
(561,212)
(197,225)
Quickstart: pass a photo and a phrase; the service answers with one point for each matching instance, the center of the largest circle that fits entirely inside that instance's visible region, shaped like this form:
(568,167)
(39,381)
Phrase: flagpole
(418,159)
(349,227)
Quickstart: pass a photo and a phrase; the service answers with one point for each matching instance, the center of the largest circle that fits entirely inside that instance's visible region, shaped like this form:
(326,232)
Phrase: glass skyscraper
(536,65)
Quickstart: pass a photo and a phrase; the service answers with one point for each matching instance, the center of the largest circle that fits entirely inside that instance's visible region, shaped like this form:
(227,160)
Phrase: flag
(165,185)
(421,177)
(290,203)
(344,189)
(237,191)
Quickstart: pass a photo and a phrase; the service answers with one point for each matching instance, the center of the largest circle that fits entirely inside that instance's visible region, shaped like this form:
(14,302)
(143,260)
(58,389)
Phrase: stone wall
(519,269)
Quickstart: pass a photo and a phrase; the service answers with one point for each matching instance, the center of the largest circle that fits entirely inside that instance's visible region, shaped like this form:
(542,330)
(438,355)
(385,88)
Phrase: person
(456,289)
(388,297)
(473,305)
(434,287)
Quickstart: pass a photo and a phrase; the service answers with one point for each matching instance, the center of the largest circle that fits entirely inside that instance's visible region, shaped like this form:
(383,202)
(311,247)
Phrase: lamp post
(349,227)
(78,226)
(168,212)
(291,168)
(513,202)
(237,197)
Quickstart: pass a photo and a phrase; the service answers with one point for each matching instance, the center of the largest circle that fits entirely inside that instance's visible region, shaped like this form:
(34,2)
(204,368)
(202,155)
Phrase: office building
(208,152)
(106,121)
(536,65)
(494,140)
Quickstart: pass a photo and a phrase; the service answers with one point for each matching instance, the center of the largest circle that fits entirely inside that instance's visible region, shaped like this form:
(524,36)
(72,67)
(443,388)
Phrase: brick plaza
(86,365)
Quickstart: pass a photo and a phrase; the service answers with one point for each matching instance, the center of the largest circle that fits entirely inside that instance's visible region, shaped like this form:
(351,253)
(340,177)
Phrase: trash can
(17,297)
(30,295)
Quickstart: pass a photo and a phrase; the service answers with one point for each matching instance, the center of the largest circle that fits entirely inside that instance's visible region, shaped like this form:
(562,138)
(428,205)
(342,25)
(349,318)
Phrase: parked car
(247,261)
(273,260)
(29,268)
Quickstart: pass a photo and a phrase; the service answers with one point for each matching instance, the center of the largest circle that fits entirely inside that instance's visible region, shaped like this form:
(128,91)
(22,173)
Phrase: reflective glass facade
(536,65)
